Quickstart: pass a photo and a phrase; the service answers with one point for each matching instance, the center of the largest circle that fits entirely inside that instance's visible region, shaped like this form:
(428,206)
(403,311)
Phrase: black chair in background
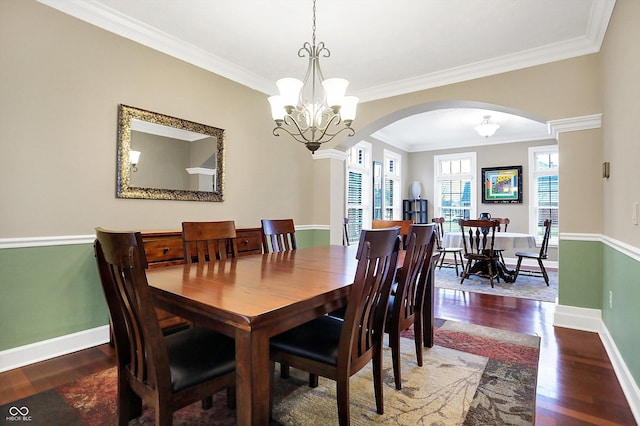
(539,256)
(455,251)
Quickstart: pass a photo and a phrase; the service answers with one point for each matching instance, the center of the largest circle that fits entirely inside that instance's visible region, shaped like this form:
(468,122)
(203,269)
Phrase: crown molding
(110,20)
(585,122)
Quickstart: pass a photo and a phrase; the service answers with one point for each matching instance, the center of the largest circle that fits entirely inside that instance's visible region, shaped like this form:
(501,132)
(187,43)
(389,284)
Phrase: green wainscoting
(580,273)
(622,278)
(47,292)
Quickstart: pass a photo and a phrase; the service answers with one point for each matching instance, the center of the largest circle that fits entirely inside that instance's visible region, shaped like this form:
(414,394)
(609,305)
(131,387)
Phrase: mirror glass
(167,158)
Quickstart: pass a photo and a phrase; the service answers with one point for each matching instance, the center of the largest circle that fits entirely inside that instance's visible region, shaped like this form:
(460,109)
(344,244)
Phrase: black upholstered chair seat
(215,356)
(317,340)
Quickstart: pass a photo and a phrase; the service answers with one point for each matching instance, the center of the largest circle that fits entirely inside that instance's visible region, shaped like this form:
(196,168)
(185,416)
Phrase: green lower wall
(47,292)
(580,274)
(588,271)
(621,277)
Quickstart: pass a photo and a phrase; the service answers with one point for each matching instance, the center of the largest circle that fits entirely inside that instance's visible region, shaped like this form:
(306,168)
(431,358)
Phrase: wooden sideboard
(164,248)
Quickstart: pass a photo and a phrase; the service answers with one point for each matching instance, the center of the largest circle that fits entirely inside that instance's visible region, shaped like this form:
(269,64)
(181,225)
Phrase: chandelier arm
(298,137)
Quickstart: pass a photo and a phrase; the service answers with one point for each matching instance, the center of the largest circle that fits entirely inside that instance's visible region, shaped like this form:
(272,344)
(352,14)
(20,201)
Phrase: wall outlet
(610,299)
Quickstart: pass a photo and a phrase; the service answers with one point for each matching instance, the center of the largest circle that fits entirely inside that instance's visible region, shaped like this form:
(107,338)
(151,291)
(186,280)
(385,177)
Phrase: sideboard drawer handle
(165,250)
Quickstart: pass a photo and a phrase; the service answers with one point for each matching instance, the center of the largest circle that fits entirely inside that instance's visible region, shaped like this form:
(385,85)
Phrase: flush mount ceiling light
(487,127)
(306,112)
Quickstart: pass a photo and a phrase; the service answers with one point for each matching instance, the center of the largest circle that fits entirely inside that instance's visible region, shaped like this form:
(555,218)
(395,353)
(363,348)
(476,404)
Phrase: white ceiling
(384,48)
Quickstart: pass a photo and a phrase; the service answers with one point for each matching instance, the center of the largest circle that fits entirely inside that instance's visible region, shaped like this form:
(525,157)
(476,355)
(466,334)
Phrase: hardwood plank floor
(576,382)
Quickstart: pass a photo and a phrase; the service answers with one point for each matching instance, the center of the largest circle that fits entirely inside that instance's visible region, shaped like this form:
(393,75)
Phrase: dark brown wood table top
(253,298)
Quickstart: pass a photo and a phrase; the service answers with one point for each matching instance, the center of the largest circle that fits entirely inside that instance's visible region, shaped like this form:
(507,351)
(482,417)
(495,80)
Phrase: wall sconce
(605,170)
(134,156)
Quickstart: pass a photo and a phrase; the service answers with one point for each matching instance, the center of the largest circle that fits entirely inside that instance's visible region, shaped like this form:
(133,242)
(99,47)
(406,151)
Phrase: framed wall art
(502,185)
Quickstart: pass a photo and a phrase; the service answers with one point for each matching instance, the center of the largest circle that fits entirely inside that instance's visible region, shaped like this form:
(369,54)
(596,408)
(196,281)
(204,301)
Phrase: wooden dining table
(255,297)
(503,241)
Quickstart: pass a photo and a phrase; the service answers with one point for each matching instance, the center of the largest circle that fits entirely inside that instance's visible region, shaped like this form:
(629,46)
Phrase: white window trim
(367,170)
(397,177)
(533,191)
(473,176)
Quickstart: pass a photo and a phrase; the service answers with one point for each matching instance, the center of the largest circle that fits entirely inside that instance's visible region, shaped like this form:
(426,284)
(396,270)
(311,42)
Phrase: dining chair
(280,233)
(477,242)
(337,349)
(406,304)
(345,231)
(212,240)
(168,373)
(403,224)
(539,256)
(455,251)
(502,221)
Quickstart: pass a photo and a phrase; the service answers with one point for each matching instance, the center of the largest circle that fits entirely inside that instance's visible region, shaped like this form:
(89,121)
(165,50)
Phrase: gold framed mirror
(167,158)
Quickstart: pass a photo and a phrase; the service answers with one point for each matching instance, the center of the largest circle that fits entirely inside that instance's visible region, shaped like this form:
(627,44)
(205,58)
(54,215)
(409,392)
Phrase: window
(544,191)
(392,186)
(359,189)
(455,188)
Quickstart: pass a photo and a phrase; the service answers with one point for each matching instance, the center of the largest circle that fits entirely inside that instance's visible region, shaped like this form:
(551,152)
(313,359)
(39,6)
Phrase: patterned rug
(474,375)
(526,286)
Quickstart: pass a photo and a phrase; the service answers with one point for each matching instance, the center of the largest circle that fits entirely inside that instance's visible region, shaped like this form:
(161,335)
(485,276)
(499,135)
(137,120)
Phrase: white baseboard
(47,349)
(591,320)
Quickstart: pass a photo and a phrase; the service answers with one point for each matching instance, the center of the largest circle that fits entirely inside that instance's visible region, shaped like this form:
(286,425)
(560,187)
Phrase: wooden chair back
(368,300)
(211,240)
(409,298)
(201,363)
(280,234)
(439,231)
(141,351)
(502,222)
(545,239)
(345,231)
(478,238)
(403,224)
(361,332)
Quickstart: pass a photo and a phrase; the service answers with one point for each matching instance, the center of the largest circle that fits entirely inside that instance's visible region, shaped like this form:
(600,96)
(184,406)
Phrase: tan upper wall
(621,133)
(58,122)
(62,80)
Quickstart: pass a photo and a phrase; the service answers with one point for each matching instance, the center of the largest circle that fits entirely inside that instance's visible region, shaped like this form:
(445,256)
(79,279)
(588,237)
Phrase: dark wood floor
(576,382)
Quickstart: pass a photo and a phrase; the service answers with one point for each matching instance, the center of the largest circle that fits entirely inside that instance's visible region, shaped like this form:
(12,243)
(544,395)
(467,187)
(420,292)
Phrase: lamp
(307,113)
(134,156)
(487,127)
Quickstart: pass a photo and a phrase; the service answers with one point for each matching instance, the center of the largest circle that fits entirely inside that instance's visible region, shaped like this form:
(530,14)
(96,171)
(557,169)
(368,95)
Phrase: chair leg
(377,379)
(313,380)
(490,273)
(443,255)
(129,403)
(544,272)
(394,342)
(417,332)
(515,276)
(465,271)
(342,390)
(284,371)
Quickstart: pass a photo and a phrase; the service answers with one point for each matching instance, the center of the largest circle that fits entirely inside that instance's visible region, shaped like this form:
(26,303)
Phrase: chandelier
(487,127)
(313,116)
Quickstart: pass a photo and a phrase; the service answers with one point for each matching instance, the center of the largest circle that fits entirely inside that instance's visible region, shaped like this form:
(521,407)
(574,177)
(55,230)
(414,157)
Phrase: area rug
(473,375)
(525,286)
